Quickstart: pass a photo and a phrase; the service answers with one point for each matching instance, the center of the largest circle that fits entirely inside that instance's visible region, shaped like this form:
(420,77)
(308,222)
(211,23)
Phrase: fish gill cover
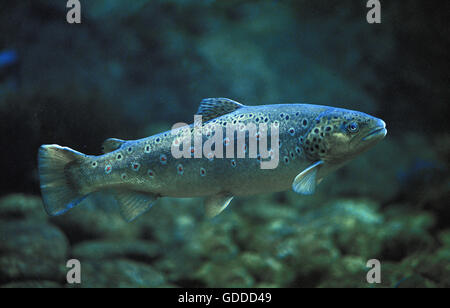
(132,70)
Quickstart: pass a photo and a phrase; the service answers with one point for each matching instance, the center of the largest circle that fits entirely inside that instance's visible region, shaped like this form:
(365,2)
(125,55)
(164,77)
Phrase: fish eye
(353,127)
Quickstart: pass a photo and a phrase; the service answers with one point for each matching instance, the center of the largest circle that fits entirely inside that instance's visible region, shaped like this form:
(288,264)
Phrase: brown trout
(311,141)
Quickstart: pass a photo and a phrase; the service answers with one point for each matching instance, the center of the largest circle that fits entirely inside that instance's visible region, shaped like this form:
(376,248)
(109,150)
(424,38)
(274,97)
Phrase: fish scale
(313,141)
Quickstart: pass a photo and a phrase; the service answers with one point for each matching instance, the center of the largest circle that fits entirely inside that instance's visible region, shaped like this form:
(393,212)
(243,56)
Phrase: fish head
(338,135)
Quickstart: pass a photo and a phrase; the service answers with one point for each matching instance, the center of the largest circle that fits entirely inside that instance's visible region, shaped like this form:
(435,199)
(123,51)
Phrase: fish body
(299,143)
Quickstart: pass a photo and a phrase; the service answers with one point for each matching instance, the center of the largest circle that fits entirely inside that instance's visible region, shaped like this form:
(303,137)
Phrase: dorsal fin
(111,144)
(211,108)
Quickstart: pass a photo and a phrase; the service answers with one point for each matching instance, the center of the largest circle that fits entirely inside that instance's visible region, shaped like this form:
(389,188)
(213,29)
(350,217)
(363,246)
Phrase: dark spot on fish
(150,173)
(202,171)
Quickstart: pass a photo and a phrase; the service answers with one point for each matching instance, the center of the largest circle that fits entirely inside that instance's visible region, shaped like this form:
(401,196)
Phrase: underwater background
(133,68)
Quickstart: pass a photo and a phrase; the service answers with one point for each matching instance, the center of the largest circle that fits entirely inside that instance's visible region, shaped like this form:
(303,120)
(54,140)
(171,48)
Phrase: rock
(97,217)
(32,250)
(33,239)
(232,275)
(264,268)
(21,206)
(119,274)
(405,233)
(134,250)
(349,271)
(32,284)
(13,268)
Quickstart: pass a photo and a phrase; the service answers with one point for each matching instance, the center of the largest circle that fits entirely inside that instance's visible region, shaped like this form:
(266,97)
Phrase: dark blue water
(133,70)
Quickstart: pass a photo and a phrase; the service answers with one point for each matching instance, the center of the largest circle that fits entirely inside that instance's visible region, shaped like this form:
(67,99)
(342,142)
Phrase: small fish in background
(8,58)
(313,141)
(9,67)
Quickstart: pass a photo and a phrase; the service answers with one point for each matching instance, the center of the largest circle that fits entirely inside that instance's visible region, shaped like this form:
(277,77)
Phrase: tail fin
(59,191)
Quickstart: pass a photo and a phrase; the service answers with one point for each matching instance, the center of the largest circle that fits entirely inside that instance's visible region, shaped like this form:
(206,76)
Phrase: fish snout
(378,132)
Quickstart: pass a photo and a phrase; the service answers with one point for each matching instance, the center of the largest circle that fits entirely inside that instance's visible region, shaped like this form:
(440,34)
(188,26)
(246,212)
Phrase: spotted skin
(303,133)
(307,134)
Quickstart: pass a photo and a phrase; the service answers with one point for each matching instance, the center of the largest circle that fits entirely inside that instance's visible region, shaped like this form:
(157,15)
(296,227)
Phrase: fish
(303,143)
(8,58)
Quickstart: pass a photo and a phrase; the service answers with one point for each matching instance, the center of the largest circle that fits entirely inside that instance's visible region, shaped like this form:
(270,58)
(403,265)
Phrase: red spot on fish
(163,159)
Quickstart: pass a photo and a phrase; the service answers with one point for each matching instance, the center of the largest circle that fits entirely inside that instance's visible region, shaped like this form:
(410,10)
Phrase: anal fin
(133,204)
(214,205)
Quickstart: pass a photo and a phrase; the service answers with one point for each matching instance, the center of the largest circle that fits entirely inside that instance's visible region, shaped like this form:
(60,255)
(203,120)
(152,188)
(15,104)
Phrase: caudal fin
(60,191)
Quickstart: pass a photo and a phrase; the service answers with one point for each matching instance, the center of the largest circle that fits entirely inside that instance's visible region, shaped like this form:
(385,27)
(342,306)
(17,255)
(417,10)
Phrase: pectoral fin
(214,205)
(133,204)
(305,183)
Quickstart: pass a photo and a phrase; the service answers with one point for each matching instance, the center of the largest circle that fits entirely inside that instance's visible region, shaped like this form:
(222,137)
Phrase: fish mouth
(378,133)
